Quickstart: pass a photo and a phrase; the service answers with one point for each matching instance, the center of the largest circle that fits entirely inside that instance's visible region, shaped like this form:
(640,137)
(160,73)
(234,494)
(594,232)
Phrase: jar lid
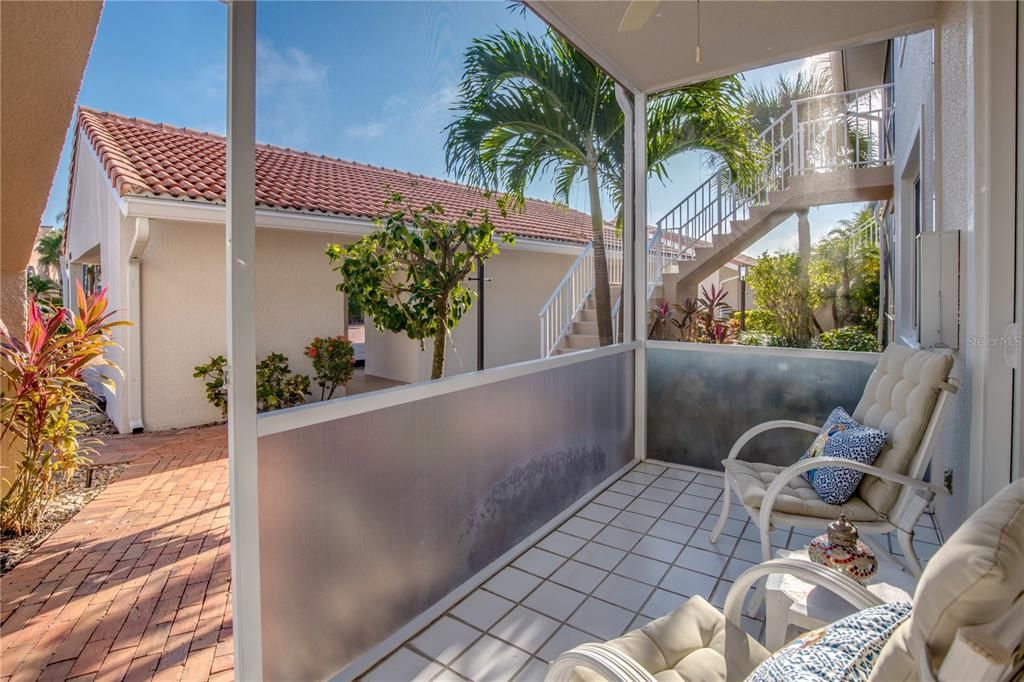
(842,532)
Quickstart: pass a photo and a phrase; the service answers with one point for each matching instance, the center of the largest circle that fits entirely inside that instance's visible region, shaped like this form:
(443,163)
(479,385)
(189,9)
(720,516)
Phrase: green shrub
(216,384)
(758,320)
(276,386)
(772,340)
(848,338)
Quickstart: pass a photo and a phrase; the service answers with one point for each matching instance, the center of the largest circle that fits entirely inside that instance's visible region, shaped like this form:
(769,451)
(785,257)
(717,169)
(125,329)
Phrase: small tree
(409,274)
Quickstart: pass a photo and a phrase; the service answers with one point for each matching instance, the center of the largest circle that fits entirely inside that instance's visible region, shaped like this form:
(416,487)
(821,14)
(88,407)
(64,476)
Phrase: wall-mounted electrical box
(939,288)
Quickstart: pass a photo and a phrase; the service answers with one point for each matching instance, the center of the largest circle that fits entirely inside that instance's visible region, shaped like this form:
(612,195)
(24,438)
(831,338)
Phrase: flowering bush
(333,361)
(41,375)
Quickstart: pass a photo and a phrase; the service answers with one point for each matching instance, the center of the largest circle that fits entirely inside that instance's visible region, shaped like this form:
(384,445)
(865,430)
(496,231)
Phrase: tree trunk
(437,364)
(804,240)
(602,291)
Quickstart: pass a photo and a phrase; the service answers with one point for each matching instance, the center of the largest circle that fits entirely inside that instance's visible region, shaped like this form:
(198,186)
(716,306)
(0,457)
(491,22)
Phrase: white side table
(791,601)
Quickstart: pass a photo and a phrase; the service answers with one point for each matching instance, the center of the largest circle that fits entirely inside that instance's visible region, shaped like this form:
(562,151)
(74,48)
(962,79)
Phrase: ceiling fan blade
(637,14)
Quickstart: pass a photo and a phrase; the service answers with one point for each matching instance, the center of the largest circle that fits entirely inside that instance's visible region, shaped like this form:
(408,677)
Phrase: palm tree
(845,266)
(49,247)
(534,107)
(43,290)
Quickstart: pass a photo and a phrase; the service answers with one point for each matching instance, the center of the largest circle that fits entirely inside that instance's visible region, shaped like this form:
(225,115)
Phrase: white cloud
(289,67)
(370,130)
(291,95)
(420,112)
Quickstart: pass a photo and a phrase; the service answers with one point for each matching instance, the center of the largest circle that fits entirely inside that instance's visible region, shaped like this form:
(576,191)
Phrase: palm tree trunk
(804,241)
(602,291)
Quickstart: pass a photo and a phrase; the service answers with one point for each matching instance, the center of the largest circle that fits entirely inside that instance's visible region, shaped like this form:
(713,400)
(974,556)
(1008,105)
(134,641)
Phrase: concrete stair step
(585,328)
(587,315)
(581,341)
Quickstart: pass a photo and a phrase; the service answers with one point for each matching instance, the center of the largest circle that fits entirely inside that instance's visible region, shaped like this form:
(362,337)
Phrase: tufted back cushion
(898,399)
(971,580)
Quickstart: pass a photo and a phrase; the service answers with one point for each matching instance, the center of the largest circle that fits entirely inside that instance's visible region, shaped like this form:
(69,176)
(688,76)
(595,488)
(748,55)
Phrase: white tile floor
(634,553)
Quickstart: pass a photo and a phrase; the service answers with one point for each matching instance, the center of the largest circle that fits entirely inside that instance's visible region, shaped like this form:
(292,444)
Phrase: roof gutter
(138,246)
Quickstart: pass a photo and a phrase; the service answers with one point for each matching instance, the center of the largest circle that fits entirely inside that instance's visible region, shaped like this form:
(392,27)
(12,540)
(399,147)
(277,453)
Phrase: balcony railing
(821,134)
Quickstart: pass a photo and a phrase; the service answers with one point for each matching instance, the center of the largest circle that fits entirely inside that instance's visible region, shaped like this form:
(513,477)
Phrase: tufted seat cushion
(798,497)
(970,581)
(692,644)
(898,399)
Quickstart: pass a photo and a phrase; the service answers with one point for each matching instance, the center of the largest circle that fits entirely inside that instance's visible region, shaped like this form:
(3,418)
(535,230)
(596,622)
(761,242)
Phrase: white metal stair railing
(816,135)
(661,252)
(571,295)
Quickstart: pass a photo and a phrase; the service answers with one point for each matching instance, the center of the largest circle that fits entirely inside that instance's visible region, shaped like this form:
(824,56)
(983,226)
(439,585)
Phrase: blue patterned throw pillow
(844,651)
(843,437)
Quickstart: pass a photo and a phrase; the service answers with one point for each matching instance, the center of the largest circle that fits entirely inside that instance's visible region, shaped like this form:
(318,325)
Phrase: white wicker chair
(967,620)
(908,395)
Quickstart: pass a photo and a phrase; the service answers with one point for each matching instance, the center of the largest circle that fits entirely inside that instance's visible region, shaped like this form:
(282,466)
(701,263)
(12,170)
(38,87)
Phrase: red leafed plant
(37,405)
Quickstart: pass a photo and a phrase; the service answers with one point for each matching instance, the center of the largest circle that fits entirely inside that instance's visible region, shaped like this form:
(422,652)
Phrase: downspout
(139,241)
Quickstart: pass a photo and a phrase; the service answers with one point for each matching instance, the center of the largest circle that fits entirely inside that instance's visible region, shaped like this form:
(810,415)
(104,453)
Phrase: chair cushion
(692,644)
(844,651)
(971,580)
(798,497)
(898,399)
(841,436)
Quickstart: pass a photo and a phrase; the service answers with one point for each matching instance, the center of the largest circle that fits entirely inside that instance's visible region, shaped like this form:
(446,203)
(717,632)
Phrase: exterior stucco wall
(99,233)
(184,310)
(521,282)
(914,115)
(954,207)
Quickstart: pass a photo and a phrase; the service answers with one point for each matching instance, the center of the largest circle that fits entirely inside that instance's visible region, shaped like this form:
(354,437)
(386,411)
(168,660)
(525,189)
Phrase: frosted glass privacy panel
(368,520)
(702,397)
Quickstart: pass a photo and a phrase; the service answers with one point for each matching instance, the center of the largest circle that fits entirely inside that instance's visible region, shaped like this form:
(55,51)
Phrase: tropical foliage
(534,107)
(214,373)
(843,274)
(775,282)
(848,338)
(44,291)
(276,386)
(409,274)
(49,247)
(704,319)
(844,271)
(333,361)
(757,321)
(41,375)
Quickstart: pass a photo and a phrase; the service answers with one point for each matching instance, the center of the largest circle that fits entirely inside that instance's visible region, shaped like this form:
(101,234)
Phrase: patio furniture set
(961,617)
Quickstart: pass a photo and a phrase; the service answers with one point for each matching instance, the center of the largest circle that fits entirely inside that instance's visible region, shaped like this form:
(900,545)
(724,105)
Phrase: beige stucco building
(155,226)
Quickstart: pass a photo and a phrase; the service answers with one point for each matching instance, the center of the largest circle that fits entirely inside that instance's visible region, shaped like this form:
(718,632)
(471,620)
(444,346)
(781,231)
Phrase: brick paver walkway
(137,585)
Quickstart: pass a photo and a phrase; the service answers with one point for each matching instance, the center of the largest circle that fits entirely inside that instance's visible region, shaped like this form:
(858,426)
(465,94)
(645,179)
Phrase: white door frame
(992,169)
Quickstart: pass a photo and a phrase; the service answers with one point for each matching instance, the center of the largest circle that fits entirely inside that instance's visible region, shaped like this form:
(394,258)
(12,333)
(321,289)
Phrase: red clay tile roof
(153,159)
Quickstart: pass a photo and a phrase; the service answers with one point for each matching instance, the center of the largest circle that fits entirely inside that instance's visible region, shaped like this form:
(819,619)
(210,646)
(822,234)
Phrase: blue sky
(367,81)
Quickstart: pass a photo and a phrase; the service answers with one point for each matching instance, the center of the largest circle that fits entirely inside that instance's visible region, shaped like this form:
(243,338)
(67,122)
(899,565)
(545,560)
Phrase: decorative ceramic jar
(841,548)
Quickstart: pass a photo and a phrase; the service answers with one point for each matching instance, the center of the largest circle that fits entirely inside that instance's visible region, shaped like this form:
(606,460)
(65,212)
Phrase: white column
(241,314)
(638,210)
(628,226)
